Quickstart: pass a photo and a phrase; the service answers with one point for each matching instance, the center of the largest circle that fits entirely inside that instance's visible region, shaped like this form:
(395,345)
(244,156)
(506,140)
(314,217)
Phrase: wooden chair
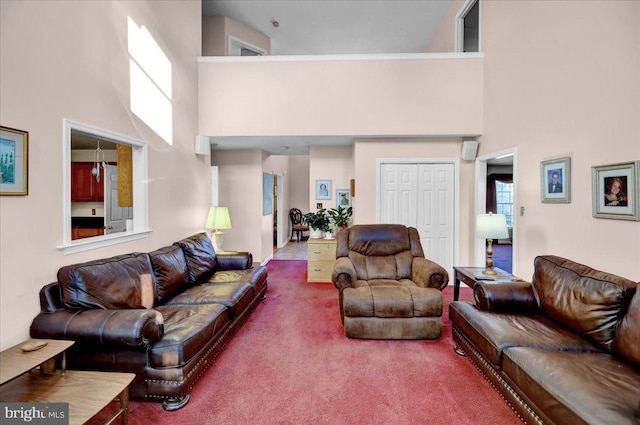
(295,215)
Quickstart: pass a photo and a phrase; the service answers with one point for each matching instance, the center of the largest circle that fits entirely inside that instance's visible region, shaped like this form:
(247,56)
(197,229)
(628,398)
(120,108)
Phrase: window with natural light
(504,200)
(150,80)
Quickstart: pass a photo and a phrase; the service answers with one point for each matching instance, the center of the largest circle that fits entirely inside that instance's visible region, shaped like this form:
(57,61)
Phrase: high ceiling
(314,27)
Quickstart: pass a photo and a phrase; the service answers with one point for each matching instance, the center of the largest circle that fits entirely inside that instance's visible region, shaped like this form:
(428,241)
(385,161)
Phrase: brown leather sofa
(163,315)
(564,349)
(386,288)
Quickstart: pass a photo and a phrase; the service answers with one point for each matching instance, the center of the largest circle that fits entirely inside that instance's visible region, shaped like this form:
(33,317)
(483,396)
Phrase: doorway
(492,173)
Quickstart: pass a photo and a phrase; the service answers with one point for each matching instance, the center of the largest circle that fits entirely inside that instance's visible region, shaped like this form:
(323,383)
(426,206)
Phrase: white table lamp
(218,220)
(491,226)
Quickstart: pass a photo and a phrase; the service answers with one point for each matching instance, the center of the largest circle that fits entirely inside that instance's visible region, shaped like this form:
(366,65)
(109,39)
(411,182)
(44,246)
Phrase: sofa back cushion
(170,269)
(200,256)
(627,340)
(587,301)
(380,251)
(124,281)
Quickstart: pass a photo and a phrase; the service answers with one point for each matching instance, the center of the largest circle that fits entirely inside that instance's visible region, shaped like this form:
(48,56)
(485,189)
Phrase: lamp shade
(218,218)
(491,226)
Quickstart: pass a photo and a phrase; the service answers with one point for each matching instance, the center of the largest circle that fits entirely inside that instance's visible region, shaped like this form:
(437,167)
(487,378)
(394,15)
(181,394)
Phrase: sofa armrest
(513,297)
(427,274)
(343,274)
(234,260)
(132,328)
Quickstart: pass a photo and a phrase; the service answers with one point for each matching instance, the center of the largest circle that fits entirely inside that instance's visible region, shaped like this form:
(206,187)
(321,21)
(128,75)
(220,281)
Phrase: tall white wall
(69,59)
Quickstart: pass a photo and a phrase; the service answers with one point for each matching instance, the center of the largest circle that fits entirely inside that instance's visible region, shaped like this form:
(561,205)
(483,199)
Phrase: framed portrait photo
(343,198)
(555,181)
(323,189)
(14,164)
(616,191)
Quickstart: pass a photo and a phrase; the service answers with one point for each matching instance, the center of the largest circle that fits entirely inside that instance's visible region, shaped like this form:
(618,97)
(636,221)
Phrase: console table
(31,377)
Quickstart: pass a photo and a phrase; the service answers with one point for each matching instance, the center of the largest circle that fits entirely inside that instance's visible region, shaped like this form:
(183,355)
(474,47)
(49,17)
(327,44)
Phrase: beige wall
(333,163)
(562,79)
(69,59)
(289,97)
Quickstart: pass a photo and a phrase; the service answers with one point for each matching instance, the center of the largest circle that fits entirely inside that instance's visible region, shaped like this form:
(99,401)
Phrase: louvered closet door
(422,196)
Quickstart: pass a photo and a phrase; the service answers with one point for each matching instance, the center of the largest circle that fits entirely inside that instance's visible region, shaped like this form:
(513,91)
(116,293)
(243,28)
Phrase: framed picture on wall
(14,164)
(267,194)
(555,181)
(323,189)
(616,191)
(343,198)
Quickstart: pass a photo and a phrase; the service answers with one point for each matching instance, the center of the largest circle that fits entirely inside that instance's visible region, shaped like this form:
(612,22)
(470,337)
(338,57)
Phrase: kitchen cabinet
(86,232)
(84,187)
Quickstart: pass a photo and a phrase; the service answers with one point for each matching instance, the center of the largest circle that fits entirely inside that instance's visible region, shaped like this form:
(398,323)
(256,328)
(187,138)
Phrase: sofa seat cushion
(587,301)
(556,382)
(392,312)
(233,295)
(385,282)
(392,301)
(256,277)
(491,333)
(187,328)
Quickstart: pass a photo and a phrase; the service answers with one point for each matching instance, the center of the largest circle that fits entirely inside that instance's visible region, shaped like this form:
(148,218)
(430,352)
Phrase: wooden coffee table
(86,392)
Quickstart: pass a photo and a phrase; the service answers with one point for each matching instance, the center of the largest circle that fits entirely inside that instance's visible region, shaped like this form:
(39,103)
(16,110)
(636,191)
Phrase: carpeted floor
(291,364)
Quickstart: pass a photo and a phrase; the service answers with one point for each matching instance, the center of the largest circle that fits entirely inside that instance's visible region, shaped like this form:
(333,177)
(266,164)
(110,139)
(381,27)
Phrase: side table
(470,275)
(321,256)
(86,392)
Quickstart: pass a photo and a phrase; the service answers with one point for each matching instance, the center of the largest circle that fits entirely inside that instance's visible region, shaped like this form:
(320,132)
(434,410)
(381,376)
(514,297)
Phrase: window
(468,27)
(504,200)
(80,133)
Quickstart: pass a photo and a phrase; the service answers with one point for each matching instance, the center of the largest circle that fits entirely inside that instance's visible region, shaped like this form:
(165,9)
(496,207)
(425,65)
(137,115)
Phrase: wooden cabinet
(84,187)
(321,256)
(83,232)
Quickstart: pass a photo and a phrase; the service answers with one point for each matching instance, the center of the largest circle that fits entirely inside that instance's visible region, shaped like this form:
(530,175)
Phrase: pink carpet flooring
(291,364)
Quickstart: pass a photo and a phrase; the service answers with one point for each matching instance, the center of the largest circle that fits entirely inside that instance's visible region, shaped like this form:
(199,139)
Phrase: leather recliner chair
(387,289)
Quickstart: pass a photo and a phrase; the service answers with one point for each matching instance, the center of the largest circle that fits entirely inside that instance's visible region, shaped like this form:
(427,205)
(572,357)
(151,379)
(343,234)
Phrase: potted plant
(318,222)
(341,215)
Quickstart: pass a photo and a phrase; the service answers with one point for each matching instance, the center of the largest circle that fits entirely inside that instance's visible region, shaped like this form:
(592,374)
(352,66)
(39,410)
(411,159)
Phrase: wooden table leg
(456,288)
(124,405)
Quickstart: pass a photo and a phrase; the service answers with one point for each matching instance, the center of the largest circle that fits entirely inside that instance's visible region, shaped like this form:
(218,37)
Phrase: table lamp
(491,226)
(218,220)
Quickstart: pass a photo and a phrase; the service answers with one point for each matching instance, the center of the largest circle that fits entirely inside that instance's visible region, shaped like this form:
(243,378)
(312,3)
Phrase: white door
(114,216)
(422,196)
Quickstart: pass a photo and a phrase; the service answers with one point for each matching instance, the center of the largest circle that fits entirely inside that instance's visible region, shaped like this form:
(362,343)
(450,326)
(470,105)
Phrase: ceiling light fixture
(275,24)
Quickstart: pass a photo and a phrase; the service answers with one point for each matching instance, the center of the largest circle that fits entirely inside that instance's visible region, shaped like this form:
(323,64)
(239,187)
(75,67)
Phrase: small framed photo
(616,191)
(343,198)
(14,164)
(555,181)
(323,189)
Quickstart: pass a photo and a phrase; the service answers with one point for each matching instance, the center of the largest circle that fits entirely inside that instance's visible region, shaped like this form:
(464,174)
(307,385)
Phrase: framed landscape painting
(616,191)
(14,166)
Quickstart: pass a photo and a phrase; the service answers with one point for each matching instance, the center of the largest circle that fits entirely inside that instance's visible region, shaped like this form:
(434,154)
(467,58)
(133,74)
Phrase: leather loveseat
(387,289)
(564,349)
(163,315)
